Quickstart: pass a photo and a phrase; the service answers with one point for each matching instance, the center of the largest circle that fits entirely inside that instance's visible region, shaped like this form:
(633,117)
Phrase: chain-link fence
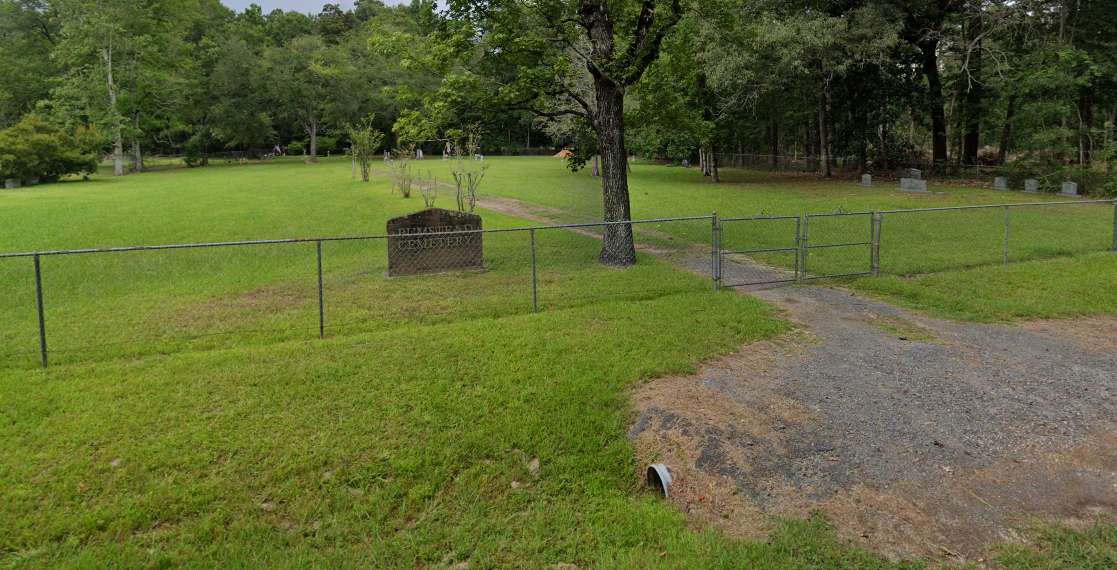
(908,242)
(79,305)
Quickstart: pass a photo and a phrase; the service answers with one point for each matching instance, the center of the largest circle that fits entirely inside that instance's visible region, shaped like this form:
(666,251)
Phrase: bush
(34,149)
(327,144)
(197,149)
(296,147)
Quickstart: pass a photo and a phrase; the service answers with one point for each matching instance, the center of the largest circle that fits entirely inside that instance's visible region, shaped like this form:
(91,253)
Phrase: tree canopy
(1027,86)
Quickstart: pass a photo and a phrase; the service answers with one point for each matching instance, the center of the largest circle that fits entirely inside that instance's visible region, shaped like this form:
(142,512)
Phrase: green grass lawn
(192,417)
(912,244)
(151,302)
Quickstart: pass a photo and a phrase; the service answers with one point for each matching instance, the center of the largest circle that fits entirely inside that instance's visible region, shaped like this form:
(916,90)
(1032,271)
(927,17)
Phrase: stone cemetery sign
(414,246)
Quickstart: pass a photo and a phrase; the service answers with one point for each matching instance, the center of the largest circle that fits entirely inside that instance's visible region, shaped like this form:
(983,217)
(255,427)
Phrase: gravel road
(915,436)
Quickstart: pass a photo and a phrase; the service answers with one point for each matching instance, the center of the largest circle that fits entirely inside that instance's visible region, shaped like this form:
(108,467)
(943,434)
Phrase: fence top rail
(199,245)
(1013,205)
(831,214)
(759,217)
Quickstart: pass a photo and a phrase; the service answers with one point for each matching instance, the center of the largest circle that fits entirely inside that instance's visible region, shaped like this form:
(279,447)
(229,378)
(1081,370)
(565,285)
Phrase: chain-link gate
(770,244)
(767,250)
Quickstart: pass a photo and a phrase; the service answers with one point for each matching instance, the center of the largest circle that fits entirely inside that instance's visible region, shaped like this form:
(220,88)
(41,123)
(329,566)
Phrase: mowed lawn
(192,417)
(944,262)
(152,302)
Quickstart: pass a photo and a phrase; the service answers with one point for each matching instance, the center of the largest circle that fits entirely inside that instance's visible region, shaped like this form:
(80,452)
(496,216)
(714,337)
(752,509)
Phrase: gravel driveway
(915,436)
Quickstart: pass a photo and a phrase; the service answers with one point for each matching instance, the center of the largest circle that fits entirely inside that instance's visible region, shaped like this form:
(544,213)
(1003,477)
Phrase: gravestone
(915,173)
(415,248)
(1070,189)
(913,185)
(866,180)
(1000,183)
(11,183)
(1031,186)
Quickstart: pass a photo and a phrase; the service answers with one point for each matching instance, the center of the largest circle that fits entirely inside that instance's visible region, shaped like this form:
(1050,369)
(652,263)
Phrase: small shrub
(296,147)
(197,150)
(401,170)
(33,149)
(429,189)
(467,172)
(364,141)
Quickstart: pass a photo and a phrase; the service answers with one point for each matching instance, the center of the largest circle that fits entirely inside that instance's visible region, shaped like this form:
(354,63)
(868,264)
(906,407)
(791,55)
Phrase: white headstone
(1000,183)
(1031,186)
(913,185)
(866,179)
(1070,189)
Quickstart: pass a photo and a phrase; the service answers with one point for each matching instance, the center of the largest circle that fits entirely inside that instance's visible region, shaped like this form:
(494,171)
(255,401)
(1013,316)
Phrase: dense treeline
(932,82)
(1029,85)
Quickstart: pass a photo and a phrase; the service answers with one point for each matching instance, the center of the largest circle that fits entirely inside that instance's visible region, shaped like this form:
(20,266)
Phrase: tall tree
(28,34)
(923,28)
(535,56)
(299,76)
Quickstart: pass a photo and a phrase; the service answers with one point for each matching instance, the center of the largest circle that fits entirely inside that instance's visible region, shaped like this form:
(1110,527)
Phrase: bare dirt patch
(1094,334)
(518,209)
(550,216)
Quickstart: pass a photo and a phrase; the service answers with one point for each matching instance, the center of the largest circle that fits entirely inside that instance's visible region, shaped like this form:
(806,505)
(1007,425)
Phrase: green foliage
(365,141)
(328,143)
(34,149)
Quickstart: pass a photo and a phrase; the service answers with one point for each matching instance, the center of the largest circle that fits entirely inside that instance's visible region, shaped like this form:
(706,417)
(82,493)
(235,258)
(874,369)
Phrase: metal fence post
(321,295)
(804,239)
(874,247)
(534,276)
(798,234)
(1004,253)
(1115,225)
(715,252)
(39,306)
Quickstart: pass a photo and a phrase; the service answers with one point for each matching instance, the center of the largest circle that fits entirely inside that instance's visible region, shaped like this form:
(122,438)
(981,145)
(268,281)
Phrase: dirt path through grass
(916,436)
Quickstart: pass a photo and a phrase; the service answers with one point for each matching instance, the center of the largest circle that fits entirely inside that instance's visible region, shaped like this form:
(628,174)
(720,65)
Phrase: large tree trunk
(1086,124)
(823,138)
(929,48)
(774,139)
(117,135)
(714,163)
(810,148)
(1006,130)
(137,155)
(608,117)
(617,247)
(312,130)
(975,95)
